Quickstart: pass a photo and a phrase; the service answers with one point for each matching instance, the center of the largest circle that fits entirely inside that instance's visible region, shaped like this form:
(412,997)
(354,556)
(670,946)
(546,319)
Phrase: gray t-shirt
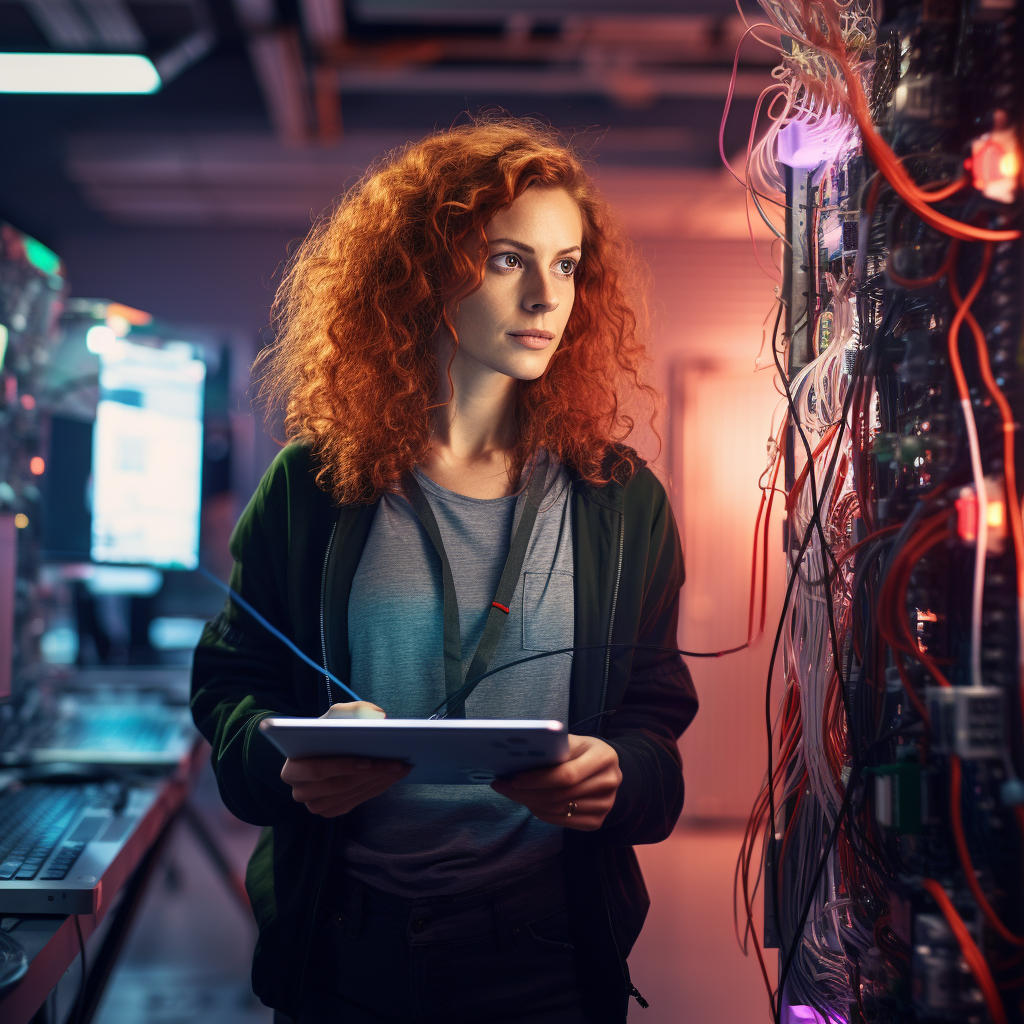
(417,840)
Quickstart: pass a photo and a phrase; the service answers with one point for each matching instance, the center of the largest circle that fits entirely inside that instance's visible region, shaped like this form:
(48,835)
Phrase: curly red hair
(354,364)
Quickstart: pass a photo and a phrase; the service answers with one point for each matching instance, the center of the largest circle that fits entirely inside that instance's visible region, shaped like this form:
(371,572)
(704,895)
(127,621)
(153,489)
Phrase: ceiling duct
(63,26)
(323,22)
(115,26)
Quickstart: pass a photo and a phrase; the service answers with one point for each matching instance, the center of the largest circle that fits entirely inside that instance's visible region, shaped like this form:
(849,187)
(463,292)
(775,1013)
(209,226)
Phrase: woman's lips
(533,338)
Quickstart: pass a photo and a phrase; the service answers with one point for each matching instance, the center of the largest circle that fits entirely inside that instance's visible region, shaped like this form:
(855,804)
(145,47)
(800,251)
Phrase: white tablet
(459,751)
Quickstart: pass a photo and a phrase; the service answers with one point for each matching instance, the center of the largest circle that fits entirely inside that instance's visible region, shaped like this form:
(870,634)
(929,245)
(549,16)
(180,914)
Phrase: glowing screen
(147,456)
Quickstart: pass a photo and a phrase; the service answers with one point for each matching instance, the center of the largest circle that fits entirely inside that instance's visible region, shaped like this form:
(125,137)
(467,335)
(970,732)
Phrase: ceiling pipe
(276,57)
(629,86)
(114,25)
(324,25)
(63,26)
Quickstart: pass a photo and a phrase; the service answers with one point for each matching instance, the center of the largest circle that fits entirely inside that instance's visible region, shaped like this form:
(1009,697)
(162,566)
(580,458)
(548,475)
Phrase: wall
(710,300)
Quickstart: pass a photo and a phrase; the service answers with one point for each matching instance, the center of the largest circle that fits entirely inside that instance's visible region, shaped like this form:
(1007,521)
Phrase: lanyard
(500,606)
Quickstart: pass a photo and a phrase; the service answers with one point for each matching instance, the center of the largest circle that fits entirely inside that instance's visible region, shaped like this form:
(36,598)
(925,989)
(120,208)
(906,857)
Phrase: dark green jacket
(296,553)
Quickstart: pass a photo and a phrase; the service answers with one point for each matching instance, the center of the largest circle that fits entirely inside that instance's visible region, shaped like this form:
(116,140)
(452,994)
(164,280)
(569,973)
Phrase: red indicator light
(967,515)
(996,164)
(28,402)
(37,465)
(995,516)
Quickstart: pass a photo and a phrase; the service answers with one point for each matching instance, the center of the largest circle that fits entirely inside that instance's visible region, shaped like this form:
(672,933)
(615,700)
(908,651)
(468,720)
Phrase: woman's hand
(330,786)
(589,780)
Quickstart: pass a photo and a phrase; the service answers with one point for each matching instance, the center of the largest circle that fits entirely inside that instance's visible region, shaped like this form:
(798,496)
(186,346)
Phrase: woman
(453,348)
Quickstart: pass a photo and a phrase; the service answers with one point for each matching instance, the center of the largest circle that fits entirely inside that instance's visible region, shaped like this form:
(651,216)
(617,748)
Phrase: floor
(188,956)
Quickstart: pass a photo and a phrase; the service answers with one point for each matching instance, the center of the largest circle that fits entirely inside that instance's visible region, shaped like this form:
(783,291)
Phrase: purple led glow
(807,1015)
(807,142)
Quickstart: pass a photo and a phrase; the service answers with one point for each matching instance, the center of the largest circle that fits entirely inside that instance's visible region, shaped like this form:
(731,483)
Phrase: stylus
(242,603)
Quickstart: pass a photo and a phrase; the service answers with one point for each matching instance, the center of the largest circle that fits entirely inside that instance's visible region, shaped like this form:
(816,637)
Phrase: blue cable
(242,603)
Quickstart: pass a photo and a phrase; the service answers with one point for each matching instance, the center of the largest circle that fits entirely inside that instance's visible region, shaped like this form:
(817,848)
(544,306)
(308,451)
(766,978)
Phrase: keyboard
(141,732)
(58,841)
(154,735)
(32,822)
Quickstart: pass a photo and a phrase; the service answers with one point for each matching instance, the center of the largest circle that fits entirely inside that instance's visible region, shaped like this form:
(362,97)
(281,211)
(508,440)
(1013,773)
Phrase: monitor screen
(147,456)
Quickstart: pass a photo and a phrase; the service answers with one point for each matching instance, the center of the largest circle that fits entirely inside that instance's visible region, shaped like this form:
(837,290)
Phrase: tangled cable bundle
(831,887)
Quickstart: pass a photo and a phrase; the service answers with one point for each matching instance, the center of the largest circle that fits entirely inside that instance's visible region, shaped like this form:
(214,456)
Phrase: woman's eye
(507,261)
(567,266)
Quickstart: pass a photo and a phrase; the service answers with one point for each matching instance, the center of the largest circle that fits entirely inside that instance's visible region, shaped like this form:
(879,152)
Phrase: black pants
(500,955)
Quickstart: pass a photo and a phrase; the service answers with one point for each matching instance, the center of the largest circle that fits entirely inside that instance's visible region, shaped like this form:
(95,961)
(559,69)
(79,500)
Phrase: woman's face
(514,321)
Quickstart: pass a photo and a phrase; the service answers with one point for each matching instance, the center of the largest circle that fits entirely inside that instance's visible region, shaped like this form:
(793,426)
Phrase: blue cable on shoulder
(242,603)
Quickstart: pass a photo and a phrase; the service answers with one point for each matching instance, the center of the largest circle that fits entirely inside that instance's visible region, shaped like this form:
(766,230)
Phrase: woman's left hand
(585,785)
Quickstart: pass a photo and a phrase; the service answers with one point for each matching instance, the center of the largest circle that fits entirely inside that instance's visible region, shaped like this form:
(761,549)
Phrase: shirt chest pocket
(548,613)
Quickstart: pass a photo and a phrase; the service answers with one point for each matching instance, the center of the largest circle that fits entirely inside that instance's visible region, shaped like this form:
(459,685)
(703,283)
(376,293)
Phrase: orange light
(28,402)
(995,515)
(37,465)
(996,164)
(136,317)
(1009,165)
(21,520)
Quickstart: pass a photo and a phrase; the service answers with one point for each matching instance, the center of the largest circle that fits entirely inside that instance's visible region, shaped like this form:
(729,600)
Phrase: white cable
(981,542)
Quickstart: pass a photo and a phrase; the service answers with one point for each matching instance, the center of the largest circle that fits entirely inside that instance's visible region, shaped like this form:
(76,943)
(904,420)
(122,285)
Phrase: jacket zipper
(630,987)
(323,628)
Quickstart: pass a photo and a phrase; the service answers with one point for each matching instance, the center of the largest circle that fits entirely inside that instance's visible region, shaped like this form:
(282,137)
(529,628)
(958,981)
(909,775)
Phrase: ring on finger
(571,809)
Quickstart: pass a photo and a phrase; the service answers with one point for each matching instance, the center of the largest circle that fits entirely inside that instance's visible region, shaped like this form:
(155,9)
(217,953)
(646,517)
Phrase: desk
(51,941)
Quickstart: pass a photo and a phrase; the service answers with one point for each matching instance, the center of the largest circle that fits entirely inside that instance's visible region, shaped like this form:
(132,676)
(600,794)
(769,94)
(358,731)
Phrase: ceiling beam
(276,57)
(323,22)
(115,25)
(277,60)
(63,26)
(629,86)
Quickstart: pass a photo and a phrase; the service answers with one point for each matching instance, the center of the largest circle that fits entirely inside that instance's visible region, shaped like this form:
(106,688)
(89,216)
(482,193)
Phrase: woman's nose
(540,296)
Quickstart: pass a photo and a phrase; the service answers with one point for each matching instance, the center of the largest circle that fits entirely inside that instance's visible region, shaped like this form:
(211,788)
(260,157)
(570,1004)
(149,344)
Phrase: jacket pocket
(547,610)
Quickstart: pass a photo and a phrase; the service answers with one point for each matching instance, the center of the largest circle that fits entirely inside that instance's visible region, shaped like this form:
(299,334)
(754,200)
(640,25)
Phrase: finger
(333,804)
(586,817)
(309,789)
(355,709)
(560,776)
(543,804)
(313,769)
(556,802)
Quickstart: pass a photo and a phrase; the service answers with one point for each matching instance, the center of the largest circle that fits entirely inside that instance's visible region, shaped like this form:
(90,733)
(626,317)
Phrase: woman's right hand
(330,786)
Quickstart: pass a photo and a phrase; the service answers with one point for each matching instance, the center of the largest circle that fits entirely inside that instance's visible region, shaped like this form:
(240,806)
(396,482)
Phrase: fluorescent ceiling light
(77,73)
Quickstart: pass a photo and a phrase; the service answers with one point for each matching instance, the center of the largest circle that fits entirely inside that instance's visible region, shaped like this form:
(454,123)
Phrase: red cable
(970,950)
(955,779)
(876,147)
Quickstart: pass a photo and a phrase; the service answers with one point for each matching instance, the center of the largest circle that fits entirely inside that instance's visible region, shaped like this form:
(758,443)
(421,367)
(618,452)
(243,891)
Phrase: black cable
(815,882)
(815,500)
(855,774)
(814,522)
(465,691)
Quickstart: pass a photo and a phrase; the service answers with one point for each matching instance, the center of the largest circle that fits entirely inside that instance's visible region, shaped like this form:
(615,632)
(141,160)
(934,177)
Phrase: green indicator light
(44,260)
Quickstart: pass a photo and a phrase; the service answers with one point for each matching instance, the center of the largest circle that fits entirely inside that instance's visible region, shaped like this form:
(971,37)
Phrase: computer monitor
(126,489)
(147,456)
